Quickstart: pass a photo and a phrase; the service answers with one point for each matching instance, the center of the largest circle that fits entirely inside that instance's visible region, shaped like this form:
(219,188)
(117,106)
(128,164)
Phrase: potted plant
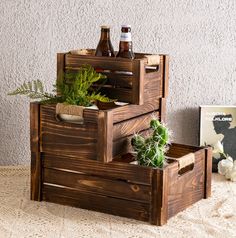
(73,93)
(150,151)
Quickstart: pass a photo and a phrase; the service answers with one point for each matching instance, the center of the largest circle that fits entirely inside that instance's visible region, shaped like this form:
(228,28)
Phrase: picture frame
(218,124)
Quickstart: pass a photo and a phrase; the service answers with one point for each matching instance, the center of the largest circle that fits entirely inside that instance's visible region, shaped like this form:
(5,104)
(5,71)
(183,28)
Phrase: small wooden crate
(127,80)
(103,135)
(121,188)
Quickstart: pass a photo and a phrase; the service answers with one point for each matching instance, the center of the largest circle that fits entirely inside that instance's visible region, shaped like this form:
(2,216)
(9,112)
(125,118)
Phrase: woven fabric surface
(20,217)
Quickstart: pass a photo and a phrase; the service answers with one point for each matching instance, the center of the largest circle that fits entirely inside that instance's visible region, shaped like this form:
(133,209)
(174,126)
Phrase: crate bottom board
(95,202)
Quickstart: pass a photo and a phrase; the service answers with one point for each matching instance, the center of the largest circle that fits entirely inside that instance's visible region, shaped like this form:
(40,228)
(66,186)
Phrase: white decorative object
(225,165)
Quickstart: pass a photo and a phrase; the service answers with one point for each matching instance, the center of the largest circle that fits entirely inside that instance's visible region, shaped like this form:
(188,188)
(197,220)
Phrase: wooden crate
(121,188)
(127,80)
(103,135)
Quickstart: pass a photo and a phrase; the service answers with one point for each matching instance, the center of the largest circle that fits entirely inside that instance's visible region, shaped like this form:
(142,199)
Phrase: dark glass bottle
(105,47)
(126,46)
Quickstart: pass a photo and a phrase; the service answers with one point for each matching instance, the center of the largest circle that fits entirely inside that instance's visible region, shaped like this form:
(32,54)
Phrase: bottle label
(125,36)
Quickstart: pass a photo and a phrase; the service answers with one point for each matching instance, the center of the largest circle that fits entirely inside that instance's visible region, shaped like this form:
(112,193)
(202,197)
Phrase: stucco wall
(199,36)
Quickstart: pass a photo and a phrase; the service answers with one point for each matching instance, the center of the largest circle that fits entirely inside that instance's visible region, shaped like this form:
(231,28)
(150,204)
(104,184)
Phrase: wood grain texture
(165,75)
(36,168)
(101,203)
(113,64)
(67,138)
(208,171)
(94,184)
(138,82)
(130,111)
(114,170)
(188,188)
(135,125)
(162,113)
(105,136)
(127,80)
(159,204)
(60,66)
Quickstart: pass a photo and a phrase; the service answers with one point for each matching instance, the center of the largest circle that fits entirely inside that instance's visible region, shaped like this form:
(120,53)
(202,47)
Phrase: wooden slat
(113,64)
(98,185)
(112,170)
(138,83)
(35,152)
(89,115)
(60,67)
(67,138)
(135,125)
(152,89)
(105,136)
(120,94)
(115,206)
(188,188)
(114,79)
(159,204)
(131,111)
(165,75)
(162,115)
(208,172)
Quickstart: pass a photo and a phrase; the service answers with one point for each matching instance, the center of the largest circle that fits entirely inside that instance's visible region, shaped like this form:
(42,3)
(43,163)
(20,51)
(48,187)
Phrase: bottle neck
(105,34)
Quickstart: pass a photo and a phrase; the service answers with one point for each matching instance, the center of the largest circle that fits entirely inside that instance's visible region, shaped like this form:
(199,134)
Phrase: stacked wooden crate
(84,165)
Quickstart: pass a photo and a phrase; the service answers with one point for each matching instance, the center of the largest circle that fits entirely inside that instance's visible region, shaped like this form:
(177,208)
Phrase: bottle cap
(126,26)
(105,27)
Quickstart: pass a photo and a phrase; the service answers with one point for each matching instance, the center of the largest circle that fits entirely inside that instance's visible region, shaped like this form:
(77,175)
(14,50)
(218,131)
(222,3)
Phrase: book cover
(218,123)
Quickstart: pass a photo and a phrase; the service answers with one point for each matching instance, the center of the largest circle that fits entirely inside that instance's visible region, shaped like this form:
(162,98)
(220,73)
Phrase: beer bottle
(105,47)
(125,47)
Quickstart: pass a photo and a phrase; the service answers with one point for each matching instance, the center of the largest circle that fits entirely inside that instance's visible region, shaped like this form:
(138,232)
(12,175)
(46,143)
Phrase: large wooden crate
(127,80)
(121,188)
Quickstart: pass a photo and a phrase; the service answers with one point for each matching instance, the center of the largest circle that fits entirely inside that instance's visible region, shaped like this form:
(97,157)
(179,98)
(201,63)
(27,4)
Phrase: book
(218,124)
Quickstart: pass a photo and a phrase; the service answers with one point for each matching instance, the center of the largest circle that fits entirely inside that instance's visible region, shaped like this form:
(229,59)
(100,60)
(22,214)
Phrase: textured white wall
(199,35)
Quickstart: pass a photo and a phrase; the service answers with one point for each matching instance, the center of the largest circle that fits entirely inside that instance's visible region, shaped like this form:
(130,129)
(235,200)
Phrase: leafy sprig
(73,88)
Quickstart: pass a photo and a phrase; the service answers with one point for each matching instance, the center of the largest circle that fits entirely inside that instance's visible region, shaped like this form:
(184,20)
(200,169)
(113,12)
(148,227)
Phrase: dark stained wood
(115,170)
(113,64)
(92,201)
(162,113)
(135,125)
(159,205)
(130,111)
(152,90)
(138,82)
(35,184)
(208,172)
(67,138)
(165,75)
(105,136)
(128,80)
(98,185)
(120,94)
(188,188)
(60,66)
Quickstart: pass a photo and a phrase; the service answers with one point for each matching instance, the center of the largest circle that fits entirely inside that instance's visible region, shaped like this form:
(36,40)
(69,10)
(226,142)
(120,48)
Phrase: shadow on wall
(186,124)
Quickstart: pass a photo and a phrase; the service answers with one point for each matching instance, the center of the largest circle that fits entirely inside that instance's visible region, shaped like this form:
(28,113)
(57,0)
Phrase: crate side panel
(188,188)
(67,138)
(115,206)
(114,170)
(130,111)
(135,125)
(101,63)
(94,184)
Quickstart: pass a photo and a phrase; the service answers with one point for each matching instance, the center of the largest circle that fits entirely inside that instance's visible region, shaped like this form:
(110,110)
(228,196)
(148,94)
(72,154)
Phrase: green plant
(72,88)
(151,150)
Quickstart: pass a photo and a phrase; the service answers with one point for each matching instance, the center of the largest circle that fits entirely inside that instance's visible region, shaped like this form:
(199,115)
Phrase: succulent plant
(151,151)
